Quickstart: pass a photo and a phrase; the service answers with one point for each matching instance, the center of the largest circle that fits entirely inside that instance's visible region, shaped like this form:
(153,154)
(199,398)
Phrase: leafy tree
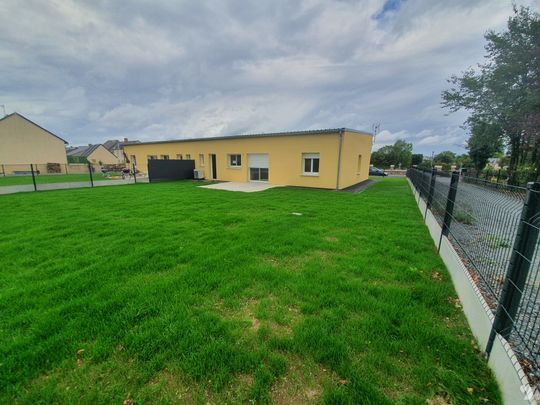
(417,158)
(464,161)
(505,90)
(485,142)
(446,158)
(399,154)
(382,157)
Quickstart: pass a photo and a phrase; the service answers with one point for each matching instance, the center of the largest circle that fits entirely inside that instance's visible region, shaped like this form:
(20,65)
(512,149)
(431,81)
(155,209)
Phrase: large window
(201,159)
(165,157)
(235,160)
(310,164)
(152,157)
(258,173)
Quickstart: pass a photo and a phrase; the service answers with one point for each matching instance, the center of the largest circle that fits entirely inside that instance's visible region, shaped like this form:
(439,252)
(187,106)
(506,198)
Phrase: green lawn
(49,178)
(169,293)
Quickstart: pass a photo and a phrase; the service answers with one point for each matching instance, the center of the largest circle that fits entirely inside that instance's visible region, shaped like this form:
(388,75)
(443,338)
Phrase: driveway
(62,186)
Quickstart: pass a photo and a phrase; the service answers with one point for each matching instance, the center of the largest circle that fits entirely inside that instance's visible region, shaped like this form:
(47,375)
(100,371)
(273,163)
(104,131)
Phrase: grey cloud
(166,69)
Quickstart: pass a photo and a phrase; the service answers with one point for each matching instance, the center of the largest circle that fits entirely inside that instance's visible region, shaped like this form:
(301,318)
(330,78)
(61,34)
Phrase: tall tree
(485,142)
(417,158)
(399,154)
(505,91)
(446,157)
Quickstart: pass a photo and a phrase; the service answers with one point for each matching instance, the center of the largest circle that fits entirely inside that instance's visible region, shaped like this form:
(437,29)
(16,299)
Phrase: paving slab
(243,187)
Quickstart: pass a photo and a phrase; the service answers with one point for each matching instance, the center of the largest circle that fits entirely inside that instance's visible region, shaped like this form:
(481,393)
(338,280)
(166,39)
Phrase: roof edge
(260,135)
(32,122)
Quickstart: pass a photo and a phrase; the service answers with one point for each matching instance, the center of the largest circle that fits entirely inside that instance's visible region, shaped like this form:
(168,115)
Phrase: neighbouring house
(494,163)
(117,148)
(328,158)
(23,142)
(97,155)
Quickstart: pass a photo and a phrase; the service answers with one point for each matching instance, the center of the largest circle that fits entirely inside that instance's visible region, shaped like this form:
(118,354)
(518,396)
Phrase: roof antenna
(4,107)
(375,128)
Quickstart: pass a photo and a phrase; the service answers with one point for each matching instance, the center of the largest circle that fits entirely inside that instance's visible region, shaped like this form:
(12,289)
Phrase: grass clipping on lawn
(169,293)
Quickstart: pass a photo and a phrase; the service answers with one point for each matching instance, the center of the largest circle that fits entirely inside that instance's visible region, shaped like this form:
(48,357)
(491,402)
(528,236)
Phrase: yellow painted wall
(22,142)
(355,145)
(101,154)
(284,157)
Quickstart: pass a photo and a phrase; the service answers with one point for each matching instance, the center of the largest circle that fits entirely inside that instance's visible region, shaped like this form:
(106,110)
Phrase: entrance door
(258,166)
(214,168)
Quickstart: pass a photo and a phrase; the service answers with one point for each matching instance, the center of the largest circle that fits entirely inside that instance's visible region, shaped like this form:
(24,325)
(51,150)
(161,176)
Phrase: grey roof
(32,122)
(113,144)
(261,135)
(82,151)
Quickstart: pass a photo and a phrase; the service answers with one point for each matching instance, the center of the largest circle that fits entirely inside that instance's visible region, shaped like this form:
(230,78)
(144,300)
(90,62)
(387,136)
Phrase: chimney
(125,140)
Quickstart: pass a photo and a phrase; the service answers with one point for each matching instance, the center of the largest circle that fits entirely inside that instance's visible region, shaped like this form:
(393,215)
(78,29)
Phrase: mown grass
(49,178)
(169,293)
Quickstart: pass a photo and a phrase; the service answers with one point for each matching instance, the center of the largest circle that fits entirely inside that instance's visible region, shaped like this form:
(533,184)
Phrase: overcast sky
(96,70)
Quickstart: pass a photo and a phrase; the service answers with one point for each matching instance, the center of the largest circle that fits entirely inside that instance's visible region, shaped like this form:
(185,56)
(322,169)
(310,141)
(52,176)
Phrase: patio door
(258,166)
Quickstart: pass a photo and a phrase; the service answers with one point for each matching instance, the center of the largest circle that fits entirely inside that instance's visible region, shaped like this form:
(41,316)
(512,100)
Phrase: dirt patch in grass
(298,262)
(438,400)
(171,384)
(304,383)
(264,316)
(331,239)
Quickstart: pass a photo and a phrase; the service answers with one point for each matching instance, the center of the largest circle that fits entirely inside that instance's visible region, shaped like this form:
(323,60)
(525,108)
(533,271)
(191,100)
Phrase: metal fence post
(134,173)
(429,200)
(431,187)
(450,200)
(90,172)
(518,269)
(33,176)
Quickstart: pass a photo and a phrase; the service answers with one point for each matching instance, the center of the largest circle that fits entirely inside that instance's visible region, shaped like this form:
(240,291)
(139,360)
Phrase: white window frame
(152,157)
(311,157)
(188,156)
(178,156)
(201,159)
(236,164)
(165,157)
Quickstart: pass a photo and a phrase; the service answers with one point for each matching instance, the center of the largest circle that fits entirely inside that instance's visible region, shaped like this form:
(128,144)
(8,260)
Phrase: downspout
(341,130)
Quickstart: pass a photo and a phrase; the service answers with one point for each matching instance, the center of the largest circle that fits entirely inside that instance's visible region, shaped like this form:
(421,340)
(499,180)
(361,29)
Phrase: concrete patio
(243,187)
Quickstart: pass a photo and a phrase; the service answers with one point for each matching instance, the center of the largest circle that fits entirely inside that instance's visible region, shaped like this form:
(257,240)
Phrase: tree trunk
(514,158)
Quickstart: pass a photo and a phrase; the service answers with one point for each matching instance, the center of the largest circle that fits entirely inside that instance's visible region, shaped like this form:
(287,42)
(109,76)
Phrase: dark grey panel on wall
(164,170)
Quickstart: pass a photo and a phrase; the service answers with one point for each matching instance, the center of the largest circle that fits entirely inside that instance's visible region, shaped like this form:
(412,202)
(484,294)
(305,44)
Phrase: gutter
(341,131)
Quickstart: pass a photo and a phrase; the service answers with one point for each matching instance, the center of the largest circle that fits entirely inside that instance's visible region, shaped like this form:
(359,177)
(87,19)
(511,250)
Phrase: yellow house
(94,154)
(328,158)
(23,142)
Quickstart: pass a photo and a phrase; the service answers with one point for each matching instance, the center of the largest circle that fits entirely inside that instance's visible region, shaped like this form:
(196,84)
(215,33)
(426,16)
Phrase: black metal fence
(494,228)
(170,169)
(50,176)
(520,176)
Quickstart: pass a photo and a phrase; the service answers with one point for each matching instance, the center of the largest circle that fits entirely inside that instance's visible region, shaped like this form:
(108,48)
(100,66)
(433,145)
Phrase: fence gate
(164,170)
